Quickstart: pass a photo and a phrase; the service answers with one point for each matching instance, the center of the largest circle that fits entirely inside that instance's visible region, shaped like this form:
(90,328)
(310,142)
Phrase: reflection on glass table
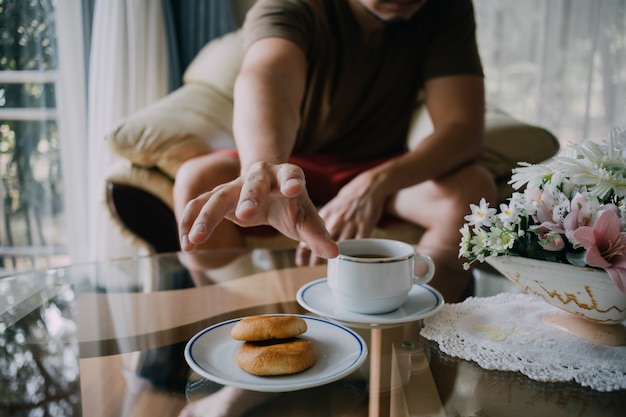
(108,339)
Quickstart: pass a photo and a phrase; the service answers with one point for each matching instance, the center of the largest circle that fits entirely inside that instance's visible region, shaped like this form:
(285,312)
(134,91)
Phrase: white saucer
(317,297)
(340,351)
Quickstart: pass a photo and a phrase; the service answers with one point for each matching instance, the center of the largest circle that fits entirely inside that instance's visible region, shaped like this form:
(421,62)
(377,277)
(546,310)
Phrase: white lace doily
(505,332)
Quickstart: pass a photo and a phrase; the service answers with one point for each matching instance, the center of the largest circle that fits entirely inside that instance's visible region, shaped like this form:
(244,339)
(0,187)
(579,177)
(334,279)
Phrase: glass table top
(108,339)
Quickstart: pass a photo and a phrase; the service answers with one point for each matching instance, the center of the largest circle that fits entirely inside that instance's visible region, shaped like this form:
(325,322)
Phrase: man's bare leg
(442,217)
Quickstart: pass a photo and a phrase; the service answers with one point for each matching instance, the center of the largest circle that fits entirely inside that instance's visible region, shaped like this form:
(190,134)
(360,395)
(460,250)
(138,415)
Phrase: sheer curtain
(118,57)
(72,122)
(128,69)
(559,63)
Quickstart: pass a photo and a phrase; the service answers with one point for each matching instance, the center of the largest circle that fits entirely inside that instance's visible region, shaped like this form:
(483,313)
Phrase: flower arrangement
(572,210)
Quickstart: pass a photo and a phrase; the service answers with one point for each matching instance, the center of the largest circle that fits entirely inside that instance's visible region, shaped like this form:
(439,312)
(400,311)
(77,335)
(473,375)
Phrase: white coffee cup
(375,276)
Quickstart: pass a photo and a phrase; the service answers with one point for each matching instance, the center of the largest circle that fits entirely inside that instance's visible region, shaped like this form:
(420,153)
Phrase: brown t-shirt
(359,100)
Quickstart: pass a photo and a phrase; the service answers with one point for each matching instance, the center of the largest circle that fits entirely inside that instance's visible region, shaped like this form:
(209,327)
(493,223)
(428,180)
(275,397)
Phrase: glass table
(109,338)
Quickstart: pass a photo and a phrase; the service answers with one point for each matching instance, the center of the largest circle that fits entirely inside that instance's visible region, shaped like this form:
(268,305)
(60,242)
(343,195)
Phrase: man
(327,88)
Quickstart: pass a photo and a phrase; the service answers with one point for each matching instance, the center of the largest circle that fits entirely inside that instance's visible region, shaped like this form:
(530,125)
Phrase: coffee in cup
(375,276)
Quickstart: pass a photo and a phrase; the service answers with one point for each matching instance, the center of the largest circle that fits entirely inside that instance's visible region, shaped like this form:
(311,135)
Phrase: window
(559,64)
(31,207)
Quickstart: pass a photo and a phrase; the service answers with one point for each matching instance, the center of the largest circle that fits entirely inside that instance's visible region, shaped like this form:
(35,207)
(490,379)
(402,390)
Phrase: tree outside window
(31,209)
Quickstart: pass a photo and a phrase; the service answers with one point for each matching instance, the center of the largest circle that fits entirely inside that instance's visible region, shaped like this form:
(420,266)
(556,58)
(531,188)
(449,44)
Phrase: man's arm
(456,105)
(268,93)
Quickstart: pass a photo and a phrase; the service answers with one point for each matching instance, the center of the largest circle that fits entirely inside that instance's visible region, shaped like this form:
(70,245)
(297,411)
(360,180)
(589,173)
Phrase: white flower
(523,203)
(600,167)
(509,214)
(559,197)
(531,175)
(466,237)
(481,214)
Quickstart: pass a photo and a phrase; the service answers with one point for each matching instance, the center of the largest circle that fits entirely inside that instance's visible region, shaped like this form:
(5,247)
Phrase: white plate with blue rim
(340,351)
(317,297)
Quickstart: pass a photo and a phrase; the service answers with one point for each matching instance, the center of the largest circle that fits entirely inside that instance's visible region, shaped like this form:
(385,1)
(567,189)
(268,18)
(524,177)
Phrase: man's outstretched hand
(268,194)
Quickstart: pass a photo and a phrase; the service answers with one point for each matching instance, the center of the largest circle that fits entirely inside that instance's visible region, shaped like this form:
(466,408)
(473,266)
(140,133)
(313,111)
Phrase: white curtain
(72,125)
(128,69)
(558,63)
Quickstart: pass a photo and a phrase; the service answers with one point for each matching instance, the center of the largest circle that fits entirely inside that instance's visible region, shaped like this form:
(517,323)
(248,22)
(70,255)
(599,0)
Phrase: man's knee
(467,187)
(205,172)
(471,182)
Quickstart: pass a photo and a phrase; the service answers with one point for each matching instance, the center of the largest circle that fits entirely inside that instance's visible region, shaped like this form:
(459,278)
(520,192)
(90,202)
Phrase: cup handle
(431,269)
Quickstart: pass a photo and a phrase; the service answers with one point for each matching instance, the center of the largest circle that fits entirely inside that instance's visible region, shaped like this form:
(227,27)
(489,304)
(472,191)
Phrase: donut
(257,328)
(276,357)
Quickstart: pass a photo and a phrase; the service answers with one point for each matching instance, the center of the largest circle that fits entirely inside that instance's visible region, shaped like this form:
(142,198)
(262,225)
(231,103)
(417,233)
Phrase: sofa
(154,142)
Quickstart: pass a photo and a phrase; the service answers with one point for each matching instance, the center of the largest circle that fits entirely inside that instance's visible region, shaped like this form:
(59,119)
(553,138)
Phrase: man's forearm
(447,149)
(268,93)
(263,127)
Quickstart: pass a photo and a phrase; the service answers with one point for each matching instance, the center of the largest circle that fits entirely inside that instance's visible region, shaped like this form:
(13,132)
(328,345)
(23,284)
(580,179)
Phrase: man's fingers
(348,231)
(323,247)
(269,194)
(255,190)
(204,213)
(221,203)
(313,233)
(291,181)
(188,217)
(264,179)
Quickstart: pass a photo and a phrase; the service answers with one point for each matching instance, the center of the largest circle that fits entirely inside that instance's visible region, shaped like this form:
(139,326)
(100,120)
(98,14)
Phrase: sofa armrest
(143,215)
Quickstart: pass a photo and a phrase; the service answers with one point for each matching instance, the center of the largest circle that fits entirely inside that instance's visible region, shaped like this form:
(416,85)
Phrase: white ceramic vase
(584,292)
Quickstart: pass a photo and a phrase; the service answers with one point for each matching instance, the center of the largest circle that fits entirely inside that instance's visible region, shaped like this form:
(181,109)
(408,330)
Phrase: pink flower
(551,206)
(577,217)
(606,246)
(551,241)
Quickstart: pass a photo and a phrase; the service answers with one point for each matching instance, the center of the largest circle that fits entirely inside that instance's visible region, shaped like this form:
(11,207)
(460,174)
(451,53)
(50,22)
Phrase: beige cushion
(190,121)
(193,120)
(509,141)
(228,52)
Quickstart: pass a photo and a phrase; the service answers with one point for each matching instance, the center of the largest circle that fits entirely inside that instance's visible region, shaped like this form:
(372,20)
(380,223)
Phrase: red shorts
(325,174)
